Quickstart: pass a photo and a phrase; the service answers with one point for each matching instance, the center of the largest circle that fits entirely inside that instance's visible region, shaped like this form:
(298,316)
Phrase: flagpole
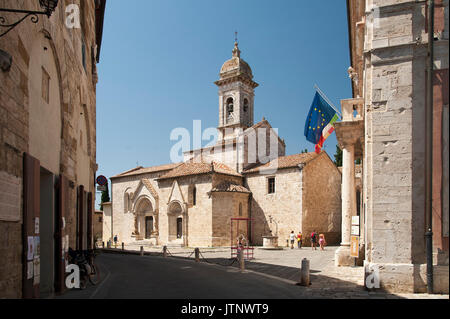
(328,100)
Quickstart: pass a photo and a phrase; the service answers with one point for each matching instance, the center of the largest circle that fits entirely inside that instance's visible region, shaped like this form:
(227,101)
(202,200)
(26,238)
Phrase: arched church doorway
(175,221)
(144,219)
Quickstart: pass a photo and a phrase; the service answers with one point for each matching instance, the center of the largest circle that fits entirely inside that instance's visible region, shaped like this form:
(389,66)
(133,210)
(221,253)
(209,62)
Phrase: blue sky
(160,58)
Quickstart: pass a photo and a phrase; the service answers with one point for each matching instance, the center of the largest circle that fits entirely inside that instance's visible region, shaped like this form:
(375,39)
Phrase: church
(244,185)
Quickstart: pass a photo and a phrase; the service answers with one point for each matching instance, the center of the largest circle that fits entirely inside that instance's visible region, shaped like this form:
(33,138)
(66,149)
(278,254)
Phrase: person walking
(299,240)
(322,241)
(313,240)
(292,238)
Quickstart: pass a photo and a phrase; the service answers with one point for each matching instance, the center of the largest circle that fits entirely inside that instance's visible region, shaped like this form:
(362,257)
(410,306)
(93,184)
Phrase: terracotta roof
(285,162)
(191,168)
(228,186)
(141,170)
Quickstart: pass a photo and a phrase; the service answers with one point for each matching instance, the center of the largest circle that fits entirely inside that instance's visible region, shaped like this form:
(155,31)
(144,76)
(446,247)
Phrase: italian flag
(327,131)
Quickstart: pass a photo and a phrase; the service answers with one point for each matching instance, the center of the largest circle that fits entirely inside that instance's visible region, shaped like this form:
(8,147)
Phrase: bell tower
(236,95)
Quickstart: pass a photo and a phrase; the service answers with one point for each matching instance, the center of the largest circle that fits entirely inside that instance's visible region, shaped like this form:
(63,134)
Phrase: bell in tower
(236,95)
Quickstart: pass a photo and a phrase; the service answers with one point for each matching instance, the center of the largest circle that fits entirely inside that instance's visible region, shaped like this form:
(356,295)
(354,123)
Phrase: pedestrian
(292,238)
(313,240)
(322,241)
(299,240)
(115,241)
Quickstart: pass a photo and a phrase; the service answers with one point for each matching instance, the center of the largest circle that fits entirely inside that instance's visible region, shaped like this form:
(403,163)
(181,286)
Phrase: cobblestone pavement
(326,279)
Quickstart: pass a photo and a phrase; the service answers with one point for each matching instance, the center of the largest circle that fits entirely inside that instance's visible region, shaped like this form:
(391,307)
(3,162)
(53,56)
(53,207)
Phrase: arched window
(230,106)
(245,105)
(126,202)
(194,196)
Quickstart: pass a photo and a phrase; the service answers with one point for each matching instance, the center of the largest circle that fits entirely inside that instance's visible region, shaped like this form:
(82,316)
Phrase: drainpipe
(429,149)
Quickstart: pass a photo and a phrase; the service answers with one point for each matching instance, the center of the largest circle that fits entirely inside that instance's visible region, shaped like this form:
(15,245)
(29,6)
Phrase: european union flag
(320,121)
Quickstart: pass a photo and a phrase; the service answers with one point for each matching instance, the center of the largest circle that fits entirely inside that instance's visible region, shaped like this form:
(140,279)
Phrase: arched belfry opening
(230,109)
(236,93)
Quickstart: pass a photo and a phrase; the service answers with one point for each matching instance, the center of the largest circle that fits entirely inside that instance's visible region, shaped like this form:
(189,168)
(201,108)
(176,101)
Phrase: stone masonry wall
(285,205)
(322,200)
(77,95)
(395,140)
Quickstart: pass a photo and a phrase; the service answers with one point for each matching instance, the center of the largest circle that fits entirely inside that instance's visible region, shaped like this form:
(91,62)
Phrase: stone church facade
(242,185)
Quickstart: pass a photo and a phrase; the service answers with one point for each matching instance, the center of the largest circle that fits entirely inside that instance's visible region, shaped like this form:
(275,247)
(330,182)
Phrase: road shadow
(321,285)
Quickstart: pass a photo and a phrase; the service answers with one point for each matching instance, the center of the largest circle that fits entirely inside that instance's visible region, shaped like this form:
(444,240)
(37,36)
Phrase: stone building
(384,126)
(48,164)
(242,185)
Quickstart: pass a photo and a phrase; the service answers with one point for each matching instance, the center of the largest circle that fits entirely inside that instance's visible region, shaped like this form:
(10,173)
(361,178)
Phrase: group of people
(313,236)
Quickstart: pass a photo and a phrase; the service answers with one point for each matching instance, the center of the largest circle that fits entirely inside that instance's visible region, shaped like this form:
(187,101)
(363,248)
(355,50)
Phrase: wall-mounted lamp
(47,5)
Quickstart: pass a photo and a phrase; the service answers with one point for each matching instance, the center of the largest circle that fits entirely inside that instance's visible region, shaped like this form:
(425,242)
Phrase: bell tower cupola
(236,95)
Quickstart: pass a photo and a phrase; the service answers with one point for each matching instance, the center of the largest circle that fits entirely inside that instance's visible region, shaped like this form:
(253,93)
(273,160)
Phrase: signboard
(102,180)
(355,220)
(355,230)
(354,246)
(101,188)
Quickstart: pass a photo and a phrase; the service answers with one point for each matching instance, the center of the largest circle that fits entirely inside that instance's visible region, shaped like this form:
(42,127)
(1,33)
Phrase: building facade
(242,185)
(384,126)
(48,80)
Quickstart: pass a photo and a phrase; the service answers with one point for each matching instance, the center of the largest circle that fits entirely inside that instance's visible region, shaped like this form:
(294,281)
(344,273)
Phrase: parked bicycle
(85,260)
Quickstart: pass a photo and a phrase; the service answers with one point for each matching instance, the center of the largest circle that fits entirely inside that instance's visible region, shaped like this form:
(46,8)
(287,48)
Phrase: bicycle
(85,260)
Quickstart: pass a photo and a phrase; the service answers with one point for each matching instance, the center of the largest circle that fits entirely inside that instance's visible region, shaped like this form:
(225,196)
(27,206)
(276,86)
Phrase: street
(130,276)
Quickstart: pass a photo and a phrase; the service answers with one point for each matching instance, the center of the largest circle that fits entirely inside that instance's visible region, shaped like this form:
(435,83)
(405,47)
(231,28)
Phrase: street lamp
(47,5)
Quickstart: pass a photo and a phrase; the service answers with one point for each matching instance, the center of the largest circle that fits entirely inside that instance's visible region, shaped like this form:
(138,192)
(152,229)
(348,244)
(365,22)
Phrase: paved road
(130,276)
(127,276)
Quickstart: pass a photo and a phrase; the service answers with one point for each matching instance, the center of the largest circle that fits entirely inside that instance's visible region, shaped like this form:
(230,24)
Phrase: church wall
(322,200)
(199,231)
(285,205)
(123,221)
(123,216)
(224,207)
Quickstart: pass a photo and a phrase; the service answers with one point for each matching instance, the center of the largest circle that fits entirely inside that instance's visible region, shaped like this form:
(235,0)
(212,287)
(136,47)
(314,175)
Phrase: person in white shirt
(292,238)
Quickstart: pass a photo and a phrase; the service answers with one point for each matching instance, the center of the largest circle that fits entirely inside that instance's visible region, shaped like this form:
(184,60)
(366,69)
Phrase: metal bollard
(305,273)
(241,259)
(103,244)
(197,255)
(123,246)
(287,243)
(142,250)
(165,251)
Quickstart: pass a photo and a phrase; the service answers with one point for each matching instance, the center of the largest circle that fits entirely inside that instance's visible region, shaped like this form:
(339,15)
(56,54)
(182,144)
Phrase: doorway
(179,228)
(148,227)
(46,223)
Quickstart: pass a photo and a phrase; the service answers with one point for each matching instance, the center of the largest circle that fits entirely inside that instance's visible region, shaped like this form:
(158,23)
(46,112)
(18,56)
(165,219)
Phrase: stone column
(342,257)
(348,192)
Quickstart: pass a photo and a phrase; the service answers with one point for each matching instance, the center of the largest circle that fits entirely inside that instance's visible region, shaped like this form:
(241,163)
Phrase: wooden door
(30,227)
(62,242)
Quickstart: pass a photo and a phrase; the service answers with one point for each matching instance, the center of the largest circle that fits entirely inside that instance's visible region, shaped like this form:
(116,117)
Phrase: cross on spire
(236,51)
